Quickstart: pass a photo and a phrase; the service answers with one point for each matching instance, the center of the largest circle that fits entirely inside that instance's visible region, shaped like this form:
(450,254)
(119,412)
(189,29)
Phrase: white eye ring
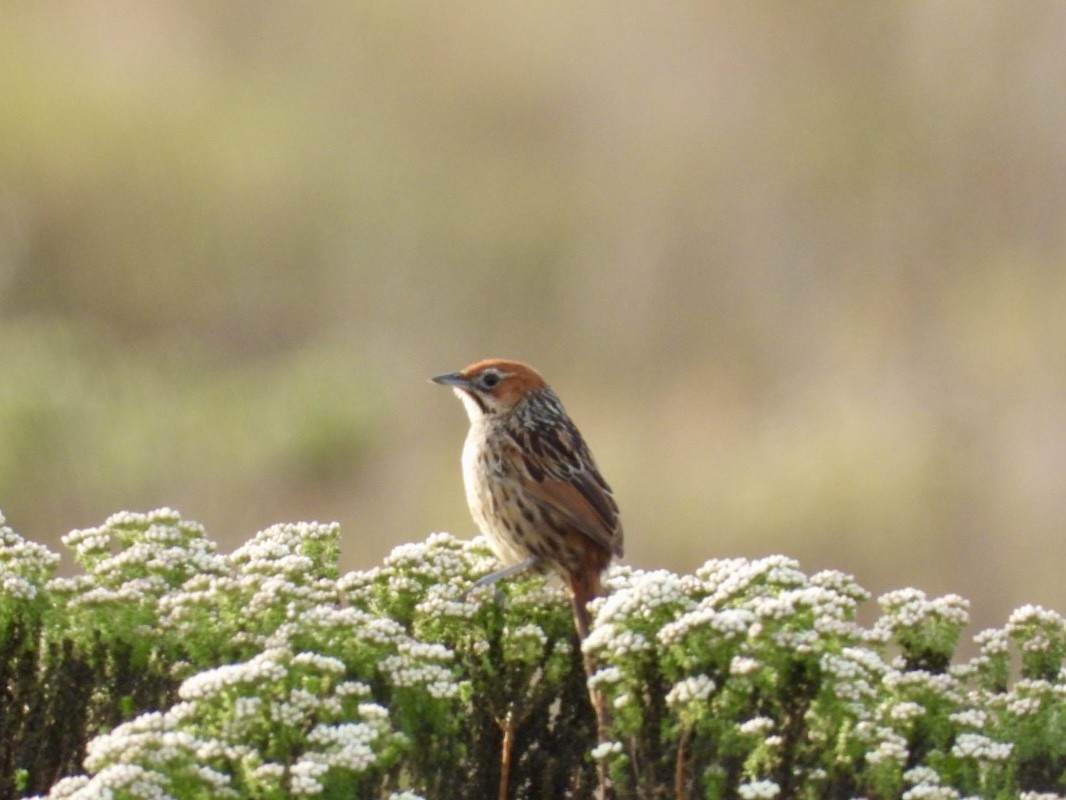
(489,379)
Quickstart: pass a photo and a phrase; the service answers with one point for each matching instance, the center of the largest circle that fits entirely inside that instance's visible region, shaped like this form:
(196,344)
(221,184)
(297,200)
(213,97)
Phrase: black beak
(452,379)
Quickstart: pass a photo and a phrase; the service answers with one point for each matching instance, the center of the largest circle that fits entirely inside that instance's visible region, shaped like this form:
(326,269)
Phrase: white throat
(473,410)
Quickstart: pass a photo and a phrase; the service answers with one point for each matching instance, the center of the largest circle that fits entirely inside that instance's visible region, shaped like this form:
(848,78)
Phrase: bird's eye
(490,379)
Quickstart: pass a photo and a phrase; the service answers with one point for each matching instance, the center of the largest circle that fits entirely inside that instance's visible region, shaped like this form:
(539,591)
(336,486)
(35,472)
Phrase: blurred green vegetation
(799,272)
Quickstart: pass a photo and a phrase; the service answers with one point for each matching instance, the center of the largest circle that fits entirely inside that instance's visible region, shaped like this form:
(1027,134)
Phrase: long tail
(584,586)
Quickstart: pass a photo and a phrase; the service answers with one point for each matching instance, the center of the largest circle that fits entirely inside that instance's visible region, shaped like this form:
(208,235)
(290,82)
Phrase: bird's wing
(585,503)
(562,478)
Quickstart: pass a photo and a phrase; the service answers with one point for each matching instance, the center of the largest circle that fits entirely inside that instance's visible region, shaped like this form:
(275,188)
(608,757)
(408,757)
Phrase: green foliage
(170,670)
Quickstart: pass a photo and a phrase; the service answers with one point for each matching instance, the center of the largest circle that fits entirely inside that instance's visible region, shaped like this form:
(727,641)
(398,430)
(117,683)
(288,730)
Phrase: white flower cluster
(166,540)
(733,578)
(840,583)
(424,666)
(267,666)
(290,548)
(1029,697)
(133,560)
(796,613)
(277,578)
(690,690)
(1037,629)
(919,682)
(970,718)
(68,787)
(119,780)
(905,711)
(616,642)
(284,564)
(758,790)
(917,775)
(729,637)
(404,662)
(800,619)
(647,592)
(742,666)
(451,601)
(756,726)
(524,643)
(278,694)
(330,622)
(889,747)
(925,784)
(723,624)
(909,611)
(756,617)
(856,673)
(930,791)
(605,676)
(24,566)
(993,642)
(605,750)
(980,748)
(441,558)
(346,746)
(913,607)
(145,756)
(1034,615)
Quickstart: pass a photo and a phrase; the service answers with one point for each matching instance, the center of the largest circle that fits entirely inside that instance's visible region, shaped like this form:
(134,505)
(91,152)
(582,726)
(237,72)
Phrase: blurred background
(797,270)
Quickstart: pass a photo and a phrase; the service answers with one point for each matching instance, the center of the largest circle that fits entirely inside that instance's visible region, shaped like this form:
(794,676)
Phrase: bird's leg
(506,572)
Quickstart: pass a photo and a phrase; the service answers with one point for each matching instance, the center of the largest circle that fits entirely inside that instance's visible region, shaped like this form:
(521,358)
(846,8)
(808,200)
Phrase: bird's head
(494,386)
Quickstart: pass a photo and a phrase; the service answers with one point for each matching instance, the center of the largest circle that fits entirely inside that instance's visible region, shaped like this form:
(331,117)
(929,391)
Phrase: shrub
(170,670)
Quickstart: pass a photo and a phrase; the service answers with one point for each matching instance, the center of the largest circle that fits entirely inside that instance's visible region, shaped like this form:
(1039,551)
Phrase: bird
(532,485)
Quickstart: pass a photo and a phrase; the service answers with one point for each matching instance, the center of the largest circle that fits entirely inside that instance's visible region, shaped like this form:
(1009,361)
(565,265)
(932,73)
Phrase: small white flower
(695,689)
(891,748)
(918,775)
(981,748)
(1023,706)
(757,726)
(646,593)
(930,791)
(905,711)
(725,624)
(605,676)
(605,750)
(68,787)
(993,641)
(970,718)
(320,662)
(758,790)
(269,771)
(742,665)
(1032,614)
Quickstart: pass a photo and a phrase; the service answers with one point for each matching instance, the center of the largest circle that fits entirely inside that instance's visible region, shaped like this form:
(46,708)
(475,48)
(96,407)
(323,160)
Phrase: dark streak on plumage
(535,472)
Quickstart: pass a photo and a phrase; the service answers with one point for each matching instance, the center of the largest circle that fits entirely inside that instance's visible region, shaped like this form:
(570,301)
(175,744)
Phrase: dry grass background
(798,270)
